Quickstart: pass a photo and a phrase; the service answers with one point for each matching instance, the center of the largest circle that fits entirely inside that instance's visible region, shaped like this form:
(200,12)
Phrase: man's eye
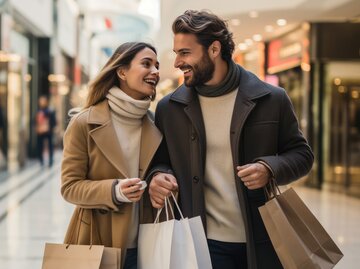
(183,53)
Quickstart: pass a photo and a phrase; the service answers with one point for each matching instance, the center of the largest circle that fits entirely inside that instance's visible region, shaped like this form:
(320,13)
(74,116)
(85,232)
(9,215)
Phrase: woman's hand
(131,188)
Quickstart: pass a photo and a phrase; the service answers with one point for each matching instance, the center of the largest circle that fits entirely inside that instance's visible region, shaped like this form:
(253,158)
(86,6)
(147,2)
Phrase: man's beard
(202,72)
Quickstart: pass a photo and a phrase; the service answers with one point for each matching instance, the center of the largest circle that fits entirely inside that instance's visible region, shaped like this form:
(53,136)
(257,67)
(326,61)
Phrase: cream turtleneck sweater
(223,214)
(127,114)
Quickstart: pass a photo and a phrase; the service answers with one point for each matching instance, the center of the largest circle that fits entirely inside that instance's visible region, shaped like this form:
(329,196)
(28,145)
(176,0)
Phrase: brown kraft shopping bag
(297,236)
(111,258)
(72,256)
(61,256)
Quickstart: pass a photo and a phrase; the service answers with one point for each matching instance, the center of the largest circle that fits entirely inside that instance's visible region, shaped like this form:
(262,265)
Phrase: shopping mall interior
(56,47)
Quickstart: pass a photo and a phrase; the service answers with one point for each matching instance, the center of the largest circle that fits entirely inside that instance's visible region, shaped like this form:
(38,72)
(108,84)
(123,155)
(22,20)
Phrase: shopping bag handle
(159,212)
(177,206)
(272,189)
(167,202)
(92,225)
(79,217)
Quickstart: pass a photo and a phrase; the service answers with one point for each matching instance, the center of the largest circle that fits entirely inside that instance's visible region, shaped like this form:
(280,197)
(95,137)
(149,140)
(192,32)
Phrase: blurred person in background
(227,134)
(45,123)
(108,146)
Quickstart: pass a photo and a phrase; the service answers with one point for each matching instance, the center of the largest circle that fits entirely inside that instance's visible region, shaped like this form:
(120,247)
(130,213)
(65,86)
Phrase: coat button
(103,211)
(193,136)
(196,179)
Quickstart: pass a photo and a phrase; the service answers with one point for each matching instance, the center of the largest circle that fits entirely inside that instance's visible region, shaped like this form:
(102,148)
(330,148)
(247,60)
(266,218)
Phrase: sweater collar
(125,106)
(250,86)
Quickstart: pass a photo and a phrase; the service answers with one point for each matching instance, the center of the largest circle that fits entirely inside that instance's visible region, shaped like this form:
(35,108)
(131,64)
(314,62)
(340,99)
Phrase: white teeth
(186,71)
(150,81)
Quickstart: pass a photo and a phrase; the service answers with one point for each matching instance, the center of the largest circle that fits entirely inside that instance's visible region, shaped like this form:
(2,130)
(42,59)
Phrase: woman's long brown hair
(107,78)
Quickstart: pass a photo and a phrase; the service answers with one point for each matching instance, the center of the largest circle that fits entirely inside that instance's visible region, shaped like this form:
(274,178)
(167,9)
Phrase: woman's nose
(155,70)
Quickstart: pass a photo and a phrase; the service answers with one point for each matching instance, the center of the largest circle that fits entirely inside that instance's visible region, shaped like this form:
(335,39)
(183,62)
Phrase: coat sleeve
(294,158)
(161,161)
(76,188)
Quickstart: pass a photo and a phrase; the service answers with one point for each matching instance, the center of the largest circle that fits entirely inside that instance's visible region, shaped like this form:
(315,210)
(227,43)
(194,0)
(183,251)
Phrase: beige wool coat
(92,162)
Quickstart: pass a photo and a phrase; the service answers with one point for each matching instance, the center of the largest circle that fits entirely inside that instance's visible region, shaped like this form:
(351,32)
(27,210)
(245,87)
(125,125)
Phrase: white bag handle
(167,200)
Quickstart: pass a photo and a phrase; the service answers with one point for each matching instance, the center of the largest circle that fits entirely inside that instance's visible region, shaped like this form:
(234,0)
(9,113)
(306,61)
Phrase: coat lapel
(192,109)
(105,137)
(250,89)
(242,109)
(150,141)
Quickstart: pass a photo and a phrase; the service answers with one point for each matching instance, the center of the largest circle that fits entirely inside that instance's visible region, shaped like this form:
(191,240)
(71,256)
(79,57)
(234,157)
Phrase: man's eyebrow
(181,50)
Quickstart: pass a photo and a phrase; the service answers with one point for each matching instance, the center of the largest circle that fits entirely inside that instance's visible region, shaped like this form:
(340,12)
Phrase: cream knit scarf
(125,106)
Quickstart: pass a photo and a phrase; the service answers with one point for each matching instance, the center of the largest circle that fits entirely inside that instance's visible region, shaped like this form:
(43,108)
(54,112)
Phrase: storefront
(336,104)
(66,68)
(252,59)
(23,65)
(15,75)
(288,67)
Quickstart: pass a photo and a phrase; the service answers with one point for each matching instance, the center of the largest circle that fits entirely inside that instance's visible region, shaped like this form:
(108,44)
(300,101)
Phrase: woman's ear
(121,73)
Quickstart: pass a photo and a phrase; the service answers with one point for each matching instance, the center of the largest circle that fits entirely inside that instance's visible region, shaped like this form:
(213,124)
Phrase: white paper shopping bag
(200,243)
(183,253)
(154,243)
(173,244)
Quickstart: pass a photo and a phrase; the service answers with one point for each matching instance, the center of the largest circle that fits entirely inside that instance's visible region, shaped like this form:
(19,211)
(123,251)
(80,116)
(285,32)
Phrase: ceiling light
(269,28)
(337,81)
(355,94)
(257,37)
(249,41)
(281,22)
(253,14)
(242,46)
(235,22)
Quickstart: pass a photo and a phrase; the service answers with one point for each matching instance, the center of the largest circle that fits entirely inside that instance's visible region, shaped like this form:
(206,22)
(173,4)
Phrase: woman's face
(139,80)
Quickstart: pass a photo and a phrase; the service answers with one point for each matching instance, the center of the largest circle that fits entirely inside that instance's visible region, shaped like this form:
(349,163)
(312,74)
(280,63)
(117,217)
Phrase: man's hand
(161,186)
(254,175)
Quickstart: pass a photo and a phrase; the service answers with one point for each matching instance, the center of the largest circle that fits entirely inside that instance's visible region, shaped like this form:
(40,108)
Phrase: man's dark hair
(207,28)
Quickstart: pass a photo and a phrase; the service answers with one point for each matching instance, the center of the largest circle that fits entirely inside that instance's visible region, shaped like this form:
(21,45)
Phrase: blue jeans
(227,255)
(131,258)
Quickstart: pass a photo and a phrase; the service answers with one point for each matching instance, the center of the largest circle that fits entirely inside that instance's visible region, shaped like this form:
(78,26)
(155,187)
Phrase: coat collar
(99,113)
(104,135)
(251,88)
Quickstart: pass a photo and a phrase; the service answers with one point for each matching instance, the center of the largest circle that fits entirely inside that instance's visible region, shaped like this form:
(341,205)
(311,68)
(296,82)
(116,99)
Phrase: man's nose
(177,62)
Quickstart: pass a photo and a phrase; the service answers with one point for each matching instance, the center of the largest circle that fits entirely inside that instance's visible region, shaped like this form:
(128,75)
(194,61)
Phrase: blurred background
(55,47)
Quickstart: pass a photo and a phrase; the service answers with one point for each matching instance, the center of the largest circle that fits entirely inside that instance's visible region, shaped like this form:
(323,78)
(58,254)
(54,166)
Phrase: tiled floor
(33,212)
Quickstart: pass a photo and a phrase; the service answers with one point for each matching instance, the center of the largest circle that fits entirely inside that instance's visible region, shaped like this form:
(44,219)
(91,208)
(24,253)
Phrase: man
(227,134)
(45,124)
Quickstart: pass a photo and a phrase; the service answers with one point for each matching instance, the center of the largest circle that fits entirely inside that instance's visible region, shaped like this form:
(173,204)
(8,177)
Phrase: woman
(108,146)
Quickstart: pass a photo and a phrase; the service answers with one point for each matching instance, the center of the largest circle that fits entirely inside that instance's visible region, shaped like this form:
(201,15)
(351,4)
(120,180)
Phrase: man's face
(193,60)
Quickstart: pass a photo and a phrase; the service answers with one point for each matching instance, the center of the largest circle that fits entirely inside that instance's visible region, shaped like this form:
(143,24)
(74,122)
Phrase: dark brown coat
(263,127)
